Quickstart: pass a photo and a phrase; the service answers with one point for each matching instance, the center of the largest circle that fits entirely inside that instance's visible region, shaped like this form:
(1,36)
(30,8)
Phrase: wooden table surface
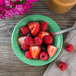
(10,65)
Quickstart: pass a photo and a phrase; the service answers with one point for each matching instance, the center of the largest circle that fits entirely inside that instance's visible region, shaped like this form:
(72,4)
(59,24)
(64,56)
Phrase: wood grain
(10,65)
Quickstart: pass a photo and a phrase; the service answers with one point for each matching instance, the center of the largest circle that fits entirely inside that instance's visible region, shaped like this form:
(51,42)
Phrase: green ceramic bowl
(52,27)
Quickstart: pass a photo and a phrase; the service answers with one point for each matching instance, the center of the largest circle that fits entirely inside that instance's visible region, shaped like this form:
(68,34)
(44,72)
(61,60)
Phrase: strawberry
(21,40)
(34,50)
(43,33)
(34,28)
(51,50)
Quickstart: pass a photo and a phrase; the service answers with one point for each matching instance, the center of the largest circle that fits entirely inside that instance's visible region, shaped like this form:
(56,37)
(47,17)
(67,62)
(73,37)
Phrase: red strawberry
(34,28)
(21,40)
(34,50)
(51,50)
(43,33)
(37,57)
(43,25)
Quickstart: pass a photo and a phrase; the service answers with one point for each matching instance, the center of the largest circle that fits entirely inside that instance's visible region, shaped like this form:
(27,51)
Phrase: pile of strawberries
(36,41)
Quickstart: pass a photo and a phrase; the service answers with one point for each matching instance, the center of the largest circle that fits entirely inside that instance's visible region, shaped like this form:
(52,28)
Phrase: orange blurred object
(60,6)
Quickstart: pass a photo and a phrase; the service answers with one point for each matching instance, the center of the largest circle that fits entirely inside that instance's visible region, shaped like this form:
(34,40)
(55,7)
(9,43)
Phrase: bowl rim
(12,38)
